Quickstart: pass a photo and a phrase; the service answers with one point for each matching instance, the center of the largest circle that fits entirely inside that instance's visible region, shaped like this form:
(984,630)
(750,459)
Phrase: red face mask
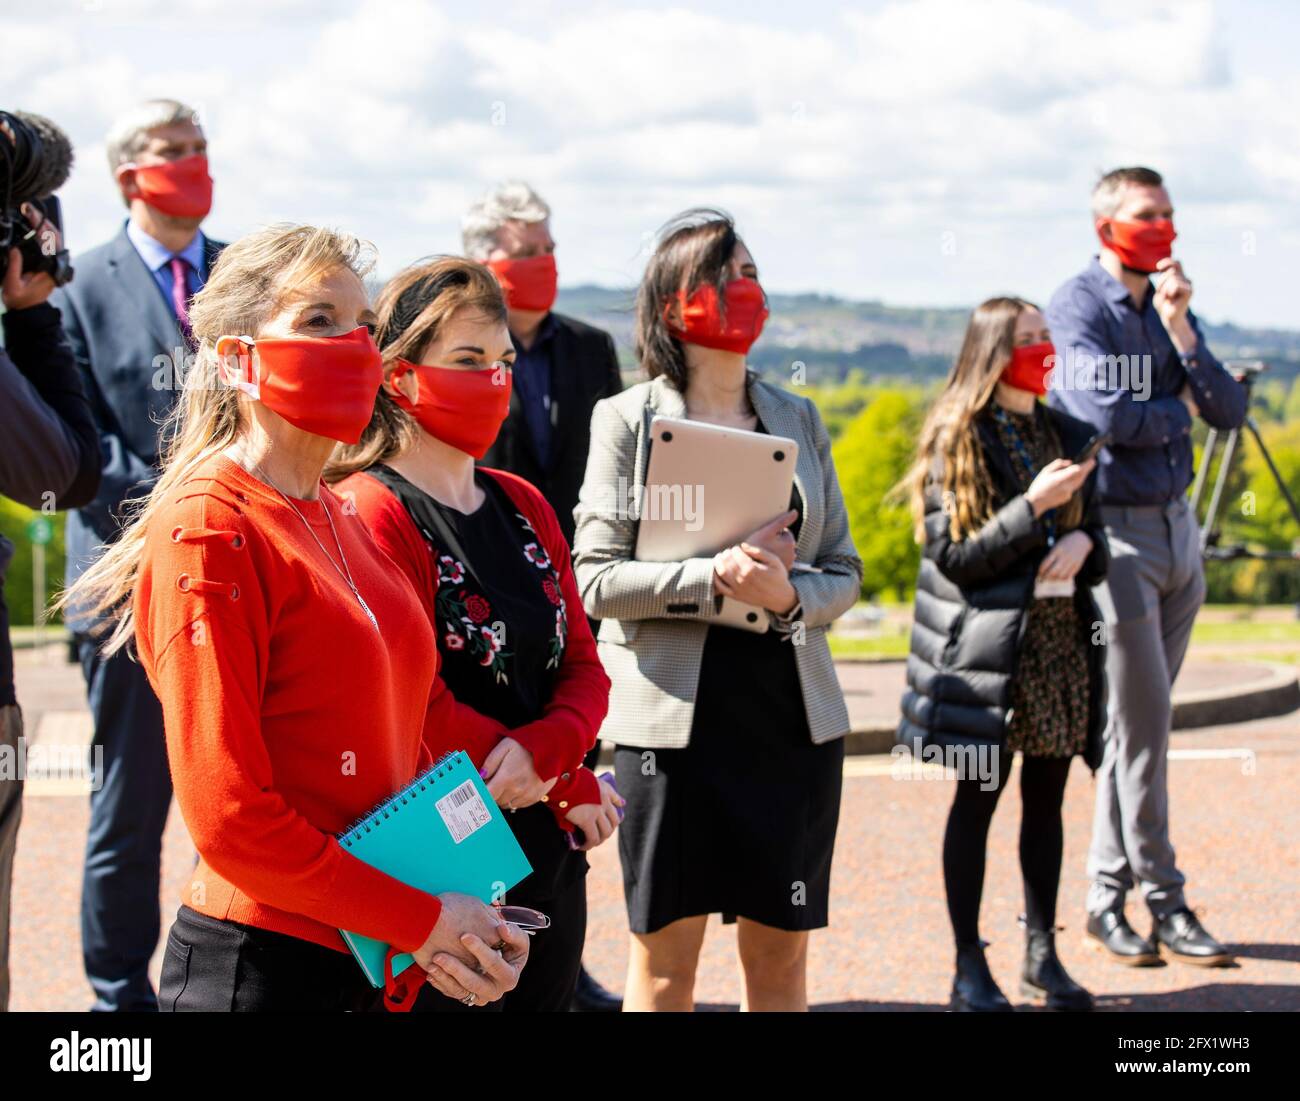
(1030,367)
(1139,245)
(323,385)
(181,188)
(529,283)
(461,408)
(703,323)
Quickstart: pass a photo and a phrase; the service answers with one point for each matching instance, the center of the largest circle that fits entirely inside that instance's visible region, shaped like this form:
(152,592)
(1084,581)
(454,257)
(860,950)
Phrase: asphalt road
(1233,792)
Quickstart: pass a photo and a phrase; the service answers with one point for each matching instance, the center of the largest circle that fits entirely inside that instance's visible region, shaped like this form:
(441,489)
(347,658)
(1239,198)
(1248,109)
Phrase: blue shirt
(158,259)
(532,381)
(1119,370)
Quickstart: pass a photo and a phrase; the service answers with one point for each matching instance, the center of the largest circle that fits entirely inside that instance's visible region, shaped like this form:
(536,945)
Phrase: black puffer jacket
(972,600)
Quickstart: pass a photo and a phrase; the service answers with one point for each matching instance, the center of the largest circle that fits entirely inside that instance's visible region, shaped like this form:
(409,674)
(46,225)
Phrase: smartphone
(1092,448)
(577,838)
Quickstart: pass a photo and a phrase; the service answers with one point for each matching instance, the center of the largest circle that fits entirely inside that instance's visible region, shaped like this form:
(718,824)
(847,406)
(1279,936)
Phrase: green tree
(18,578)
(871,457)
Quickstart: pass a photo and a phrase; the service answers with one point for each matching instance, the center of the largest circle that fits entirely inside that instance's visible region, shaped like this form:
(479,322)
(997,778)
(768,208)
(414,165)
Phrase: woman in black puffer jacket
(1007,644)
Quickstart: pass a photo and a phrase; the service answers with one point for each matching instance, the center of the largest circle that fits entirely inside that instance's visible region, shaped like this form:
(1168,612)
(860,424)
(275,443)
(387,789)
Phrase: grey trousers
(11,812)
(1149,600)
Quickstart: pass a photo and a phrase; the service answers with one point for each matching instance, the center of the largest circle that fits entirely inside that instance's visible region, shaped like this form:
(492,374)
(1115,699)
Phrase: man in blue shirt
(126,316)
(1135,364)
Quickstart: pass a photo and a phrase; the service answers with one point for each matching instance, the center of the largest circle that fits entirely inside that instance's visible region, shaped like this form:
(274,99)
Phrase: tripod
(1245,373)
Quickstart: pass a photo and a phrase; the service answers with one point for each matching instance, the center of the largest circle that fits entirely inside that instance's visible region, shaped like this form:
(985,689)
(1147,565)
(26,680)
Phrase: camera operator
(50,459)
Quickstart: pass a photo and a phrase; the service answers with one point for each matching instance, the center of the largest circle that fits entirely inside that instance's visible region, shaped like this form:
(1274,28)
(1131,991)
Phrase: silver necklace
(346,571)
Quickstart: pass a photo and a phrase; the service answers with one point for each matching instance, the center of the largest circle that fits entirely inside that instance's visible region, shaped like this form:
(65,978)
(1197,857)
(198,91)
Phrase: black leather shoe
(973,988)
(1110,929)
(591,997)
(1044,980)
(1185,937)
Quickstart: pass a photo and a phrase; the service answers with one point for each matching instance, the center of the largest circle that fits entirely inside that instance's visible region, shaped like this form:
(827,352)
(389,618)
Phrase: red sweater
(567,728)
(287,715)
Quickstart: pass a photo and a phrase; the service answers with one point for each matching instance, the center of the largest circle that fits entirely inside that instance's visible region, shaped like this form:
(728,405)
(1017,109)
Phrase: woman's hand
(1056,483)
(461,915)
(754,575)
(1067,557)
(777,537)
(598,821)
(512,781)
(495,971)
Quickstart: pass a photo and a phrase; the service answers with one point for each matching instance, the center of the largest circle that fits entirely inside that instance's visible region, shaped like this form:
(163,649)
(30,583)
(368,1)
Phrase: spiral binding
(390,806)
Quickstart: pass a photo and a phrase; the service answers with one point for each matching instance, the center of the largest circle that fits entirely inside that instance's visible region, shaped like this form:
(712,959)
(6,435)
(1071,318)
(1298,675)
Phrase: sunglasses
(524,917)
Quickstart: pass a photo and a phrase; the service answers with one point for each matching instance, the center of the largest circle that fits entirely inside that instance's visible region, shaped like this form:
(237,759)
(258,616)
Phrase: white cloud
(847,142)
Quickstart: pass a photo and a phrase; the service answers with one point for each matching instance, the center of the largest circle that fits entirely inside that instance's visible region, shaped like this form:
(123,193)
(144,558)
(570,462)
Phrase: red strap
(400,991)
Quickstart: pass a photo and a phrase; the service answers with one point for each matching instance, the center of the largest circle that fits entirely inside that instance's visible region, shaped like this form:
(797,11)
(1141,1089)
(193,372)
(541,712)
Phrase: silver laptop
(706,488)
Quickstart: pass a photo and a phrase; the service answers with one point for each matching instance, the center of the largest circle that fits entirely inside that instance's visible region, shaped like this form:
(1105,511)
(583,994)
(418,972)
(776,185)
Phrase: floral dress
(1049,716)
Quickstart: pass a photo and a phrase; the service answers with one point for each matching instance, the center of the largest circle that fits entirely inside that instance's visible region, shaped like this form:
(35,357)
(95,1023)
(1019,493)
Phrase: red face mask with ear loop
(323,385)
(1140,246)
(1029,367)
(180,188)
(703,323)
(462,408)
(530,283)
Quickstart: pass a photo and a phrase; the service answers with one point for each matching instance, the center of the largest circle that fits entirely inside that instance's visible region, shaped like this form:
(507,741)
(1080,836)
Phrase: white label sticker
(463,811)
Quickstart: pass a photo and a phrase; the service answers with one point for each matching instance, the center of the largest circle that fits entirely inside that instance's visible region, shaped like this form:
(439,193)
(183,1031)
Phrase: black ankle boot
(973,988)
(1044,979)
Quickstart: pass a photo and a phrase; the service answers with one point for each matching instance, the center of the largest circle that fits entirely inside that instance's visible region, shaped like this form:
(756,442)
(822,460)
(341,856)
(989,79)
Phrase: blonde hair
(949,448)
(247,285)
(412,309)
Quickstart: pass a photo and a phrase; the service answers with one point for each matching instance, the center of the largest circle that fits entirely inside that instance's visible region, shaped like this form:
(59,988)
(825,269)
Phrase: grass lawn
(1229,625)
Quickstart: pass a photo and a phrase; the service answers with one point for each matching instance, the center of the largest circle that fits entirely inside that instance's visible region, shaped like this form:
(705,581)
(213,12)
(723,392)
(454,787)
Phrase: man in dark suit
(127,318)
(562,368)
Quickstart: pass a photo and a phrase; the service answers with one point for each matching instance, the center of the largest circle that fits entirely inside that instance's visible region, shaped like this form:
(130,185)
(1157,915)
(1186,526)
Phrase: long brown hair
(692,249)
(412,308)
(245,288)
(950,446)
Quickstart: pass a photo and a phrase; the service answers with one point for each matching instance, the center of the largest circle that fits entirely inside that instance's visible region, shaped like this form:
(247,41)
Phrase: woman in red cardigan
(293,665)
(520,685)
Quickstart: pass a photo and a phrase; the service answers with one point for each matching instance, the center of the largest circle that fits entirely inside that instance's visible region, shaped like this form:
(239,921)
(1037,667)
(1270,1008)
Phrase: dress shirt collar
(156,255)
(1111,288)
(545,332)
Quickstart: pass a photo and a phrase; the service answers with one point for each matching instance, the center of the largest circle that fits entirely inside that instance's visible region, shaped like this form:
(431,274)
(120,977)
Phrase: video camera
(35,159)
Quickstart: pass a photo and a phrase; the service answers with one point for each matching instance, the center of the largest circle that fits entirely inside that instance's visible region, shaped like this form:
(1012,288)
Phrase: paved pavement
(1235,825)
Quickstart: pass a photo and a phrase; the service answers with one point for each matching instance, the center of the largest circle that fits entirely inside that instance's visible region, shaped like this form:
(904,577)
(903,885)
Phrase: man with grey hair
(1111,313)
(127,318)
(562,368)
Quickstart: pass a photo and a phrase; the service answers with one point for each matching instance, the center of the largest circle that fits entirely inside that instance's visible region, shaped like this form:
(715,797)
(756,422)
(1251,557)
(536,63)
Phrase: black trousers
(219,966)
(120,917)
(557,887)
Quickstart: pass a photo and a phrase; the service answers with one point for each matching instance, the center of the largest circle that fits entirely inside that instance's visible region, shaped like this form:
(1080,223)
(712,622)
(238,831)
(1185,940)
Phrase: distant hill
(835,336)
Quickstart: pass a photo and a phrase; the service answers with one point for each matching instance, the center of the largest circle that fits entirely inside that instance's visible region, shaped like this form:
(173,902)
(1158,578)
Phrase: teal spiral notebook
(442,832)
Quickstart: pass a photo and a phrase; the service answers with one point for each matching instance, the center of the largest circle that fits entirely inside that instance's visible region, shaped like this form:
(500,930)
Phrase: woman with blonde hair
(520,687)
(1003,653)
(293,665)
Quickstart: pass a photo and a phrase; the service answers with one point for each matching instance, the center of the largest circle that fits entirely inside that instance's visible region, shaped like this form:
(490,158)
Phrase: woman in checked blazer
(727,742)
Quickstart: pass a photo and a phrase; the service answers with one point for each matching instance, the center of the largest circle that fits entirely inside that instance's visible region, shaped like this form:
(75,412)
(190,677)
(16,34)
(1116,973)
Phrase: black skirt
(742,821)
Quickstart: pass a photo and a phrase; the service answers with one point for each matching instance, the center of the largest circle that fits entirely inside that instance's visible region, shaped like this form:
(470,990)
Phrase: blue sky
(925,153)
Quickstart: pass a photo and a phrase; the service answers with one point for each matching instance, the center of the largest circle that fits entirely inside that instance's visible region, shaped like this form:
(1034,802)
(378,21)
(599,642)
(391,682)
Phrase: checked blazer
(655,615)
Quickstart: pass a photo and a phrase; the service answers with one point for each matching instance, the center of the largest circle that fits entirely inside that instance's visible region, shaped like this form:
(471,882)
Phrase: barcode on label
(463,811)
